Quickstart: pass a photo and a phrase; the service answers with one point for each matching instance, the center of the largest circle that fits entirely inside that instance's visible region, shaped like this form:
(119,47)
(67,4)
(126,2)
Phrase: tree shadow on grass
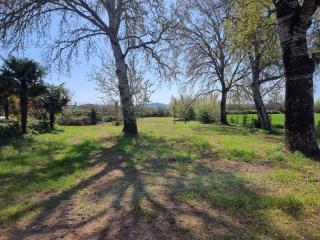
(54,174)
(148,188)
(16,138)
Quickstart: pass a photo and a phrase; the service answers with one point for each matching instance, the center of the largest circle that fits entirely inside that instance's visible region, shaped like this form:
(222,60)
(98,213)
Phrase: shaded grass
(164,171)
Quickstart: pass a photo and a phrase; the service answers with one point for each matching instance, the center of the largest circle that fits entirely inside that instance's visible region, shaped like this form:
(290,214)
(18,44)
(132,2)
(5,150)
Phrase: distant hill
(157,105)
(99,106)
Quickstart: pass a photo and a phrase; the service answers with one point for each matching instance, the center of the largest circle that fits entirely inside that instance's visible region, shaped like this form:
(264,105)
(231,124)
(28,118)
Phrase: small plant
(93,117)
(232,119)
(245,120)
(256,123)
(53,101)
(9,131)
(206,117)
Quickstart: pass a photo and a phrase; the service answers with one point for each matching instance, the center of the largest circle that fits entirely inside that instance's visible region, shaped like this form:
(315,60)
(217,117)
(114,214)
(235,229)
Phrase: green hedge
(252,112)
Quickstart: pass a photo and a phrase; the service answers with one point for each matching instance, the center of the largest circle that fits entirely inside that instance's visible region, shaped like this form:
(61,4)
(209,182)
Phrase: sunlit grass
(243,174)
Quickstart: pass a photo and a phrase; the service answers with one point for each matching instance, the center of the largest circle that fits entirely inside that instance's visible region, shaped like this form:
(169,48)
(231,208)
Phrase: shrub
(108,119)
(82,117)
(153,112)
(257,123)
(182,107)
(242,112)
(93,117)
(204,116)
(232,119)
(10,130)
(75,117)
(207,109)
(245,120)
(190,114)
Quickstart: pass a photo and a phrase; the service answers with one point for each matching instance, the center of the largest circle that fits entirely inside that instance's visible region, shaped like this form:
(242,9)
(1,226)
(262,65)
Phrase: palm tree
(7,89)
(53,101)
(27,75)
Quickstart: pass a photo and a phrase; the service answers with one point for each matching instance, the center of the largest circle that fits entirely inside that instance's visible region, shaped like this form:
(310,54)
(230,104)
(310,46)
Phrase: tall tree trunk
(255,62)
(129,118)
(52,119)
(299,68)
(6,108)
(223,107)
(24,110)
(258,101)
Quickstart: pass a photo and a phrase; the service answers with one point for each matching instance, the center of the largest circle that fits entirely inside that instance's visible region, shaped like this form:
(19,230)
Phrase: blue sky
(83,90)
(77,81)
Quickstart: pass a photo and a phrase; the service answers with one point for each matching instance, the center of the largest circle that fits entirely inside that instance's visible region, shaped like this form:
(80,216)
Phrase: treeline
(186,108)
(92,114)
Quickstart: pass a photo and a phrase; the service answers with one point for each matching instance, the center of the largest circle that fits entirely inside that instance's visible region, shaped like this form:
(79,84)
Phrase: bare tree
(294,19)
(127,24)
(212,65)
(141,88)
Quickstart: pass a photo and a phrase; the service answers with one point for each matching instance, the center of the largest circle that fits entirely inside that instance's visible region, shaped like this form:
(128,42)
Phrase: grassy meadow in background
(276,119)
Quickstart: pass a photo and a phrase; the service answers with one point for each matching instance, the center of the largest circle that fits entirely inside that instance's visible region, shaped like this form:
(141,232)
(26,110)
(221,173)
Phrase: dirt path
(153,200)
(121,202)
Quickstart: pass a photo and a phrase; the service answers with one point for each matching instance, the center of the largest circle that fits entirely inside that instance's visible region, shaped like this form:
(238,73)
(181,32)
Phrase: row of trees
(186,108)
(24,79)
(224,46)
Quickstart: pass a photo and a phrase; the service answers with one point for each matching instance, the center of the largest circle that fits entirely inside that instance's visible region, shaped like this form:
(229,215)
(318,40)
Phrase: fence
(250,122)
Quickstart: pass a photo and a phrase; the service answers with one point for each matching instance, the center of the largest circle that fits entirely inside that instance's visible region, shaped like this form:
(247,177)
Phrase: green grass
(277,119)
(182,181)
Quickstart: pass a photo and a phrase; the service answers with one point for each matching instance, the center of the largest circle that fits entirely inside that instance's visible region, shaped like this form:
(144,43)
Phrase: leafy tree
(27,76)
(207,108)
(254,33)
(7,89)
(182,107)
(53,101)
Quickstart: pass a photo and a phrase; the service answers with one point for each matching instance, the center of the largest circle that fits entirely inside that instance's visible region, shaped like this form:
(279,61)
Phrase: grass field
(183,181)
(277,119)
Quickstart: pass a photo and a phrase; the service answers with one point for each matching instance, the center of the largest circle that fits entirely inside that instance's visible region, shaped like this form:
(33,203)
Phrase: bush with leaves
(207,109)
(10,130)
(53,101)
(182,107)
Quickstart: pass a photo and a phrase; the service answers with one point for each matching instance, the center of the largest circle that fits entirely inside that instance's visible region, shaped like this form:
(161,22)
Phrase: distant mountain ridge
(157,105)
(91,105)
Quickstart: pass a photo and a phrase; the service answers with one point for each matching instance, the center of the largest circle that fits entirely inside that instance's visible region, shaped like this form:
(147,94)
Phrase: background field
(183,181)
(277,119)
